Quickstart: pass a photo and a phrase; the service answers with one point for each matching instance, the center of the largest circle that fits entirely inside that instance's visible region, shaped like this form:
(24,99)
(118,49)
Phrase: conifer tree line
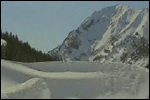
(17,50)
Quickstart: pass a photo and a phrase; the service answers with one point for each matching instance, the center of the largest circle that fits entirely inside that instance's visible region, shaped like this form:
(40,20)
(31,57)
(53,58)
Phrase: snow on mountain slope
(110,80)
(101,35)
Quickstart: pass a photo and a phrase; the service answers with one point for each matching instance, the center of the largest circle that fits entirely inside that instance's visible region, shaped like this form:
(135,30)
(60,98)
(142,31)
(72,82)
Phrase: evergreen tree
(17,50)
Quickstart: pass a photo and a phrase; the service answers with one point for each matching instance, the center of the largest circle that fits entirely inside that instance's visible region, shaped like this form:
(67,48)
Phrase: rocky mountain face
(113,34)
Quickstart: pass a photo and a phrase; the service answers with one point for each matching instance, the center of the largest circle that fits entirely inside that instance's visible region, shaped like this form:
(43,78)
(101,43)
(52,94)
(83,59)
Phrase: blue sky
(45,24)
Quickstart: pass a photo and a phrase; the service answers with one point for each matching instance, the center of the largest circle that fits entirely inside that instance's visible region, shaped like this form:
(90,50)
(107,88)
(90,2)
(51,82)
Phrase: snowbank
(109,80)
(34,88)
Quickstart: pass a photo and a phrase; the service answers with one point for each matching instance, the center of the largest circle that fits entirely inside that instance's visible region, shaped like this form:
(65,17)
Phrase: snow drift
(34,88)
(109,80)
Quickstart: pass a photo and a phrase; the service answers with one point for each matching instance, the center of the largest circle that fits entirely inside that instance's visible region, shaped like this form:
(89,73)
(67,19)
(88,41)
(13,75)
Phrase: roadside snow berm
(34,88)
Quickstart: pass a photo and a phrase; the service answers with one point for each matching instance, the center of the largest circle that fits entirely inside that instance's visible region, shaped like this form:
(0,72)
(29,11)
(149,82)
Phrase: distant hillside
(113,34)
(16,50)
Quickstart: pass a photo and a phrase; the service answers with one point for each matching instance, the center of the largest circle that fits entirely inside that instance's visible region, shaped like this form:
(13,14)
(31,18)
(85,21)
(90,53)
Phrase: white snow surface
(34,88)
(73,80)
(3,42)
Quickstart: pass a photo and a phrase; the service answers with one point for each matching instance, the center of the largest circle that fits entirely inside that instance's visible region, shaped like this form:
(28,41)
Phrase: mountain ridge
(101,35)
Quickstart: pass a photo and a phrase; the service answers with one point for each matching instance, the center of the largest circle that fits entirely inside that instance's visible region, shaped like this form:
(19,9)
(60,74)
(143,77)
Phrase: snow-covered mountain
(114,34)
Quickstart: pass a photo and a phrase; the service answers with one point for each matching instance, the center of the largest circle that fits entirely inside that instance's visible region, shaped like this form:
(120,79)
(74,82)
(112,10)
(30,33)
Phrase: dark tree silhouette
(17,50)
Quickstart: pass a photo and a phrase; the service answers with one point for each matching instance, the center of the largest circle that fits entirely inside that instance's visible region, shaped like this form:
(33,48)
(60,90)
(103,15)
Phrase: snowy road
(73,80)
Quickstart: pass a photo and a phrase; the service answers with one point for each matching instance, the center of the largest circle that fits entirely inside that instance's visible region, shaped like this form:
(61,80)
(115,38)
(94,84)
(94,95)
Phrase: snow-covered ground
(3,42)
(66,80)
(34,88)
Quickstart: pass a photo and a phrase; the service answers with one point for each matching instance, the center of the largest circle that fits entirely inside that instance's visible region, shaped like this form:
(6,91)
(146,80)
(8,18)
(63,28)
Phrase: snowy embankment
(34,88)
(73,80)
